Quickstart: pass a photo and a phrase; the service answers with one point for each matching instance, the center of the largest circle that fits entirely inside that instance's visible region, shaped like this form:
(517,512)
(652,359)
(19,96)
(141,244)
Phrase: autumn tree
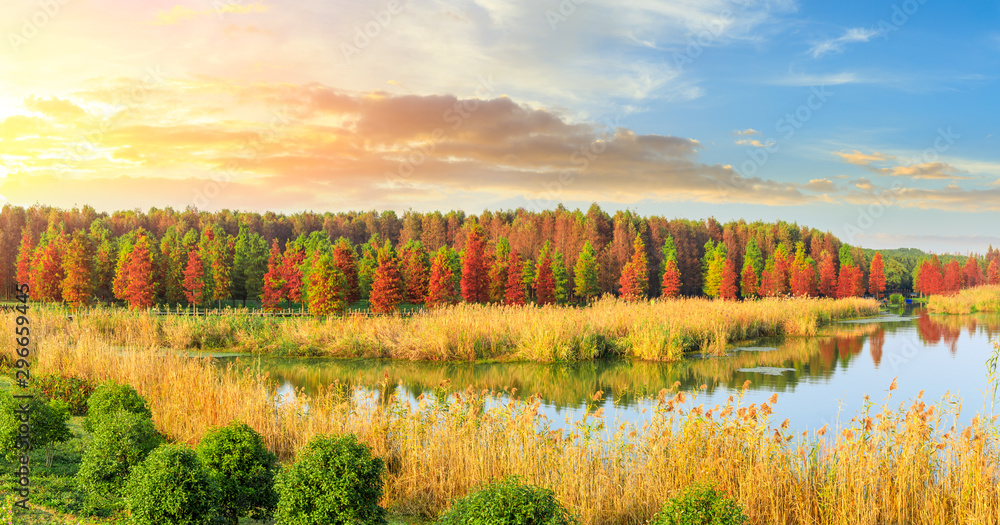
(545,283)
(972,274)
(326,286)
(24,255)
(667,253)
(827,275)
(291,272)
(994,272)
(640,269)
(515,290)
(346,260)
(274,284)
(416,271)
(952,277)
(194,278)
(140,287)
(846,281)
(387,286)
(876,277)
(768,279)
(76,286)
(475,280)
(586,272)
(753,265)
(46,275)
(440,288)
(670,287)
(713,265)
(803,280)
(729,289)
(498,271)
(782,270)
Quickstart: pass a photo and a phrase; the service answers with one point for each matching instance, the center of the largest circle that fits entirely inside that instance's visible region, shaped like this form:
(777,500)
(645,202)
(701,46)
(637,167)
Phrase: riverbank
(659,330)
(970,300)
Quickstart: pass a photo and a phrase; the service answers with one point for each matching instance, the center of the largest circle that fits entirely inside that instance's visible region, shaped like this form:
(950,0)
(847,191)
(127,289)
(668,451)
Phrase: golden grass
(979,299)
(659,330)
(905,465)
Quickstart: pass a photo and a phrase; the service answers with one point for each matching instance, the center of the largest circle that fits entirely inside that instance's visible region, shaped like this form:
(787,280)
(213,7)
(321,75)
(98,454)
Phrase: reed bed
(979,299)
(905,464)
(660,330)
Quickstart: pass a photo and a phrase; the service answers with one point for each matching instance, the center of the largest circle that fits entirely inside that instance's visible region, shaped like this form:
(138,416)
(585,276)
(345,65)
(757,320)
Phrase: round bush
(111,397)
(701,505)
(334,481)
(48,425)
(245,470)
(171,486)
(508,502)
(121,441)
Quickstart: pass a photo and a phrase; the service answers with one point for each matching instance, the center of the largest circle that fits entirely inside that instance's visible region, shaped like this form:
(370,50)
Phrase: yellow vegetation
(905,465)
(979,299)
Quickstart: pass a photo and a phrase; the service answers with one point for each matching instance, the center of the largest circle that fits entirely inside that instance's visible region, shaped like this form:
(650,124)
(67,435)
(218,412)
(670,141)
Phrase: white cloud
(836,45)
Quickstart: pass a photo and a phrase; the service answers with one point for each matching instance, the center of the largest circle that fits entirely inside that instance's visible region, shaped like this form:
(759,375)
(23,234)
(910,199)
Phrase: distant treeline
(165,256)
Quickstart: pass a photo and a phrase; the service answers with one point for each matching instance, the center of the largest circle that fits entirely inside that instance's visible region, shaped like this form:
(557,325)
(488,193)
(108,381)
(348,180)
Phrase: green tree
(586,273)
(713,265)
(561,279)
(171,485)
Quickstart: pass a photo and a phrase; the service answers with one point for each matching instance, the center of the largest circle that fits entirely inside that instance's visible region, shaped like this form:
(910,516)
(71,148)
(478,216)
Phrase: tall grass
(979,299)
(651,330)
(909,464)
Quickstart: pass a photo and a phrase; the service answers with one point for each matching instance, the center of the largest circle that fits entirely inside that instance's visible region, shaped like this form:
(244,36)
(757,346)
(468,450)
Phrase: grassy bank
(653,330)
(893,465)
(978,299)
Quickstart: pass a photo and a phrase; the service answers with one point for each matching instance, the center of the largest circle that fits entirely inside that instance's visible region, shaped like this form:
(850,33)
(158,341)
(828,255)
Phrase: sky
(875,120)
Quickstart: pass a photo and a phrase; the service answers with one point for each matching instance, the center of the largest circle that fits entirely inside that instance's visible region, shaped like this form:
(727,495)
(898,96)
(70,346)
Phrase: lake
(819,379)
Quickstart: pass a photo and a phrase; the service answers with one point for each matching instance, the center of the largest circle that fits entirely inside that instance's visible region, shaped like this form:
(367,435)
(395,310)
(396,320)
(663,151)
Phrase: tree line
(329,261)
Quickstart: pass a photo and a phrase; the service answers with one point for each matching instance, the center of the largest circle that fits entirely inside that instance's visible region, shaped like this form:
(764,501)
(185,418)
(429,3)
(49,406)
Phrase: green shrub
(121,441)
(48,425)
(245,470)
(897,299)
(73,390)
(701,505)
(111,397)
(334,481)
(171,486)
(508,502)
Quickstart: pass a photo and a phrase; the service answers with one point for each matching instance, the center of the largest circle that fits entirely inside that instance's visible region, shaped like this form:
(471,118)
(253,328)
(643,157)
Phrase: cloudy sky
(876,120)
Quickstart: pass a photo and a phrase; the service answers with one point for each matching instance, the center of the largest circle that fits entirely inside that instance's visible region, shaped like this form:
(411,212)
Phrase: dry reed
(978,299)
(905,465)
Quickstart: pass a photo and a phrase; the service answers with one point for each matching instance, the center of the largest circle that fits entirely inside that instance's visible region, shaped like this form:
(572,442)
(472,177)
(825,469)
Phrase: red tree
(515,284)
(972,273)
(952,277)
(994,272)
(24,255)
(876,277)
(274,283)
(846,281)
(728,290)
(671,285)
(346,260)
(387,287)
(475,280)
(76,287)
(291,271)
(545,280)
(415,272)
(827,276)
(47,272)
(440,290)
(194,278)
(748,282)
(140,288)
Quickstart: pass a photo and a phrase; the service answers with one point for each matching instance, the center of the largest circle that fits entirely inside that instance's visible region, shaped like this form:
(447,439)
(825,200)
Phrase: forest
(329,261)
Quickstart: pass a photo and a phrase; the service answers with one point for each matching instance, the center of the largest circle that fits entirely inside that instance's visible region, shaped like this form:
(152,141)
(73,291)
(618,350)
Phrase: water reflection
(823,374)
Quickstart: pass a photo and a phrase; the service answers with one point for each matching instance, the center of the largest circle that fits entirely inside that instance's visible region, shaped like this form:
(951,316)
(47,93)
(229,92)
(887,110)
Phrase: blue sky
(873,120)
